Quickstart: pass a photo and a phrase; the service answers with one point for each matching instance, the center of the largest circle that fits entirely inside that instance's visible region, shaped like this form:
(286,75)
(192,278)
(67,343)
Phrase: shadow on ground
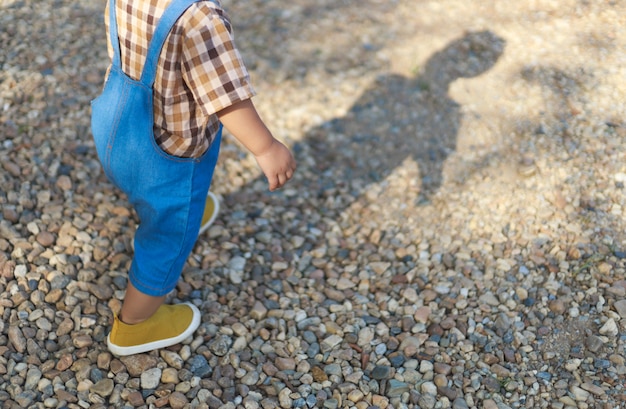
(396,119)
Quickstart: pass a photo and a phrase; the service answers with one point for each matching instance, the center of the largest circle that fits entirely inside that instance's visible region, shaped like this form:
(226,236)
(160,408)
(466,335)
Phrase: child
(157,128)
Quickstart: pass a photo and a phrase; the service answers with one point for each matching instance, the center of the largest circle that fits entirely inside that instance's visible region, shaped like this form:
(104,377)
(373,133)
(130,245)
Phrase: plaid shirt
(200,72)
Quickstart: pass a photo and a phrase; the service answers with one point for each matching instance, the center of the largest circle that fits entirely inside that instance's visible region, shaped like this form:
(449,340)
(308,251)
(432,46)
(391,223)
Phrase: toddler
(176,77)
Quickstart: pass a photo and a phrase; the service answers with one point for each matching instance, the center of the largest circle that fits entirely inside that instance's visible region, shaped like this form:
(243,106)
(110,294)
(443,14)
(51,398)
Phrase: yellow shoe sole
(211,209)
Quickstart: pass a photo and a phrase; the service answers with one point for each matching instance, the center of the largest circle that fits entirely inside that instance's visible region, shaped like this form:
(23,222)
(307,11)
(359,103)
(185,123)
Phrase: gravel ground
(454,237)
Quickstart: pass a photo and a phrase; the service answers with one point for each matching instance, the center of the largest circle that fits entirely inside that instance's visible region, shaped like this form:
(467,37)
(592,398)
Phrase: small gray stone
(427,401)
(330,343)
(250,378)
(579,394)
(103,388)
(220,345)
(151,378)
(32,378)
(200,366)
(258,312)
(459,403)
(489,299)
(429,388)
(17,338)
(381,372)
(609,328)
(396,388)
(24,399)
(620,307)
(594,343)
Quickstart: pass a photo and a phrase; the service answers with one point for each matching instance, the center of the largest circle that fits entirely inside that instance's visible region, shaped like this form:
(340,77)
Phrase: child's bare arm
(275,160)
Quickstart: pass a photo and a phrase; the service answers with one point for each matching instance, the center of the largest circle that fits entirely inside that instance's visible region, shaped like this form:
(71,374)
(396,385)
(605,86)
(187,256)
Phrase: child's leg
(169,196)
(137,306)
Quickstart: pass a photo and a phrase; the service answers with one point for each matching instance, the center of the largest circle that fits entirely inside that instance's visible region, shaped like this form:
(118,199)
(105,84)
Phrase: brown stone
(318,374)
(65,362)
(63,395)
(138,364)
(45,238)
(135,399)
(178,400)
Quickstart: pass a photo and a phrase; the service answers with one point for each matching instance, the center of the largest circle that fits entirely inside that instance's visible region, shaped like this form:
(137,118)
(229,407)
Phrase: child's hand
(275,160)
(277,163)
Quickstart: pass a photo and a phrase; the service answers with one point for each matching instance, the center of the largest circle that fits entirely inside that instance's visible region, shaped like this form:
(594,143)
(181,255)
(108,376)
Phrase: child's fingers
(282,179)
(278,181)
(273,182)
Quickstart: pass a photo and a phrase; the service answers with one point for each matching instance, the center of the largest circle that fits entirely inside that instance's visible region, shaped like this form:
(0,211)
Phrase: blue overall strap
(115,42)
(164,26)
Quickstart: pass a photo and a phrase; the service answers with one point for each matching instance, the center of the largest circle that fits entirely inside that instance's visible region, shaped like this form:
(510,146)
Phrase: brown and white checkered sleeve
(211,64)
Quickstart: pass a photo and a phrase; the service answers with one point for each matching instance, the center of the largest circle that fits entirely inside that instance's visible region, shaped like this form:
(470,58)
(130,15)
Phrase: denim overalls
(167,192)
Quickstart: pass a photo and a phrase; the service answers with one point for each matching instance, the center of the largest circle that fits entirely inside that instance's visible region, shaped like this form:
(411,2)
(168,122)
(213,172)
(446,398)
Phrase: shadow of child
(399,118)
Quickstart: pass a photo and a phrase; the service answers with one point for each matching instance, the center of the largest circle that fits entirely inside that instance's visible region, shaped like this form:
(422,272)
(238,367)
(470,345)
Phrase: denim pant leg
(170,207)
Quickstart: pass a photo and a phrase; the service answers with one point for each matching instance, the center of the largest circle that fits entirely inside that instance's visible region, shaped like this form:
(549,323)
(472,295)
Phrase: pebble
(381,372)
(594,389)
(366,335)
(172,359)
(427,401)
(284,398)
(178,400)
(103,387)
(460,403)
(250,378)
(620,308)
(45,238)
(429,388)
(17,339)
(151,378)
(609,328)
(330,343)
(579,394)
(169,375)
(396,388)
(219,346)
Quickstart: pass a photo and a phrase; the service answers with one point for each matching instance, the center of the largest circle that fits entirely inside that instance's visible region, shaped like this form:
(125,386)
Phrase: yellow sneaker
(170,325)
(211,208)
